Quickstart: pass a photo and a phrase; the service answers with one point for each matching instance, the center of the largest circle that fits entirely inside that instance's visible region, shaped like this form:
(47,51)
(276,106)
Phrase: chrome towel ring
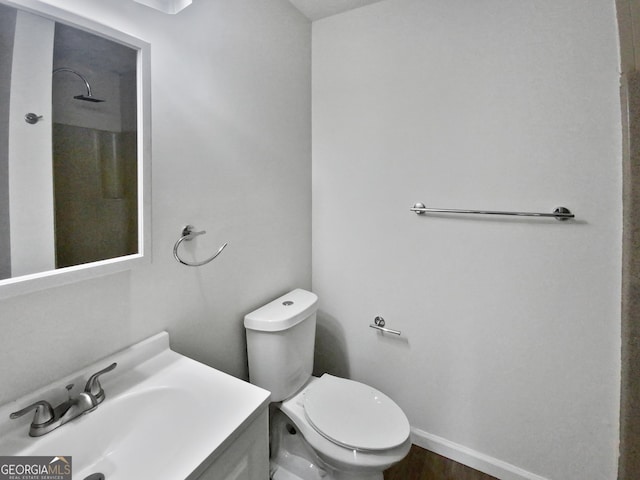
(188,234)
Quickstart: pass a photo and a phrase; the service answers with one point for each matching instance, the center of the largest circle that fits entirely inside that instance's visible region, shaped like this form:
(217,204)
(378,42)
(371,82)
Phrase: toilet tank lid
(284,312)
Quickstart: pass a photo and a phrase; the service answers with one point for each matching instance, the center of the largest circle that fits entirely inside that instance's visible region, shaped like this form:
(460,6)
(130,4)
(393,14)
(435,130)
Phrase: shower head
(88,97)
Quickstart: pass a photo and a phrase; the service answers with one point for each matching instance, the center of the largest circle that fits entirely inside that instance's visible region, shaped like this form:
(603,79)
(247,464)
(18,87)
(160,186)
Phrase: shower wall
(95,192)
(509,355)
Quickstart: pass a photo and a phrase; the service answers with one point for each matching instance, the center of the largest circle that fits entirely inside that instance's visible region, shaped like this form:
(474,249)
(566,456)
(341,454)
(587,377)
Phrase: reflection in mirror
(71,159)
(94,147)
(7,30)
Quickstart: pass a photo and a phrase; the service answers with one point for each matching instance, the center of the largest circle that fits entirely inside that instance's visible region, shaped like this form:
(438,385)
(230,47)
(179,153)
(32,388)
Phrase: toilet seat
(334,455)
(354,415)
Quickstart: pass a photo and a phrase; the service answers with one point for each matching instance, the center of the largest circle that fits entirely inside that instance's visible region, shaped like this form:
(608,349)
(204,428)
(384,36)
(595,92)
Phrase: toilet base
(293,459)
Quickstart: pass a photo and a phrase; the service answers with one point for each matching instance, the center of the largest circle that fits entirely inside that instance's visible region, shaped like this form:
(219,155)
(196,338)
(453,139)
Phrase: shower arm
(86,83)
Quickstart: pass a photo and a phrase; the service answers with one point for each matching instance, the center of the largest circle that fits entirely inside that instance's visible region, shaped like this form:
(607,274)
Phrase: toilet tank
(280,343)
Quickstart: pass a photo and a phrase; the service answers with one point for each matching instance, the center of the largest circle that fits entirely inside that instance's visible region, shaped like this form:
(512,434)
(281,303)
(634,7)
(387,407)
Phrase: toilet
(327,428)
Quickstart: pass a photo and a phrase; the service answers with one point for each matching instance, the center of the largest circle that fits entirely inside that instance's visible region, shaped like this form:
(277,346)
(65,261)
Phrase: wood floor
(422,464)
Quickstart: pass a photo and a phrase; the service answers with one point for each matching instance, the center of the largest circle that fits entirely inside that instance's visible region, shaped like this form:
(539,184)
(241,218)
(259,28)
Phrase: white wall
(7,33)
(30,157)
(509,358)
(231,155)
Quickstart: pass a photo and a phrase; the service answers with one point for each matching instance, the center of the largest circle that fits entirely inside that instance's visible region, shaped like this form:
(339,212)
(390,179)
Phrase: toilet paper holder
(379,324)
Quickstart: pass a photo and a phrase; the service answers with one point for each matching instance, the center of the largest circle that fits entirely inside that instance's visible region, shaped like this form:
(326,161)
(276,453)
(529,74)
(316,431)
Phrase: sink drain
(95,476)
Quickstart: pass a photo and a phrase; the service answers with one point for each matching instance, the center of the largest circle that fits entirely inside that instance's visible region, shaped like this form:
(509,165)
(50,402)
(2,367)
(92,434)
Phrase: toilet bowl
(327,428)
(351,427)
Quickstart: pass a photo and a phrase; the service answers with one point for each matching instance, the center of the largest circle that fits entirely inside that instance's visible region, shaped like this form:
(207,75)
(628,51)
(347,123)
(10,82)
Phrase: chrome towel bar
(188,234)
(560,213)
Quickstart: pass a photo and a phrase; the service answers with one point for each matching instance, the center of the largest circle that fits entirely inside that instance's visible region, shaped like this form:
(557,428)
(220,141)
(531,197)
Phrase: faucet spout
(47,418)
(74,407)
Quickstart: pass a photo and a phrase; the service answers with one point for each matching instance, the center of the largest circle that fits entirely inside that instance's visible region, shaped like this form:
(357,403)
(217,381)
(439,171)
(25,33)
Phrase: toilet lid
(355,415)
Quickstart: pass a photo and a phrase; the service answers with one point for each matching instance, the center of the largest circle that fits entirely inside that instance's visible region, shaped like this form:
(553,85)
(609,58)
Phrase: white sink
(165,416)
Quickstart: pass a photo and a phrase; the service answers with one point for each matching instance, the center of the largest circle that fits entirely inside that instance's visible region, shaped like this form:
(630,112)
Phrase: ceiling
(317,9)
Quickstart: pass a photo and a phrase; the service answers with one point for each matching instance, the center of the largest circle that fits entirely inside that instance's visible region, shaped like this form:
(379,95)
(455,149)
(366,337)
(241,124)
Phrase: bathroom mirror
(74,148)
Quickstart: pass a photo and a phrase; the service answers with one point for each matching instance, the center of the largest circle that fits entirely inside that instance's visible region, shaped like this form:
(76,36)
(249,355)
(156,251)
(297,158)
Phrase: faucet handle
(93,386)
(44,412)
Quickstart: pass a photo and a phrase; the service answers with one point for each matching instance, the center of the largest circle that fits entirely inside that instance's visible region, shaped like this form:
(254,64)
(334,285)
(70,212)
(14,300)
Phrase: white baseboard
(471,458)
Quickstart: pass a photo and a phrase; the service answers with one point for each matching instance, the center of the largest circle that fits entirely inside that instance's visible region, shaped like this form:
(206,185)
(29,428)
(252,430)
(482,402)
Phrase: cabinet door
(247,458)
(242,471)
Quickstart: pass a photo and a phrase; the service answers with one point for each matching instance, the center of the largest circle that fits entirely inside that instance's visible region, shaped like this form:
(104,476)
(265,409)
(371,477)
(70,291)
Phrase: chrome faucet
(48,418)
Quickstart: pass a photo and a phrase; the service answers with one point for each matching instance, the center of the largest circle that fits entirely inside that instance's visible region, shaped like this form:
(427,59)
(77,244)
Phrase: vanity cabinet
(247,455)
(165,417)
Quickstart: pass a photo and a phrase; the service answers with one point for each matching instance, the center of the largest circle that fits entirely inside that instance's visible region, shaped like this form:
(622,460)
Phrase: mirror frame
(39,281)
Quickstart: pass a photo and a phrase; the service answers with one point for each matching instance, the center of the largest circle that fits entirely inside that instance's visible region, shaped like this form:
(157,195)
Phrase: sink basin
(165,416)
(129,431)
